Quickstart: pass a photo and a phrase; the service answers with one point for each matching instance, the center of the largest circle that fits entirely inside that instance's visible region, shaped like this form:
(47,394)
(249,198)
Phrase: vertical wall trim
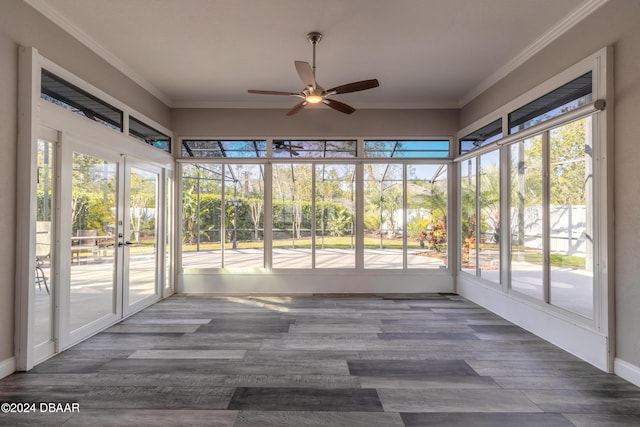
(28,95)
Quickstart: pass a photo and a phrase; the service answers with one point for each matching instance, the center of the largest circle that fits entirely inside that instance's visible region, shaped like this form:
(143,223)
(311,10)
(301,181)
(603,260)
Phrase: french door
(109,259)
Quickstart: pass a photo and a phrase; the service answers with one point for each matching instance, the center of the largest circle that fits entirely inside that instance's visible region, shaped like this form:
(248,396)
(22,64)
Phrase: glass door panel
(93,218)
(45,189)
(141,243)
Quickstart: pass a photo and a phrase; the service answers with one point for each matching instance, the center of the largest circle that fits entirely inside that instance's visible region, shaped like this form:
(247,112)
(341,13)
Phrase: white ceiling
(425,53)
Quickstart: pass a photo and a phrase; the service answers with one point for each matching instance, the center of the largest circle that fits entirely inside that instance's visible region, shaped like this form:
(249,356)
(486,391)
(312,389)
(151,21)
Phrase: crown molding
(569,21)
(44,8)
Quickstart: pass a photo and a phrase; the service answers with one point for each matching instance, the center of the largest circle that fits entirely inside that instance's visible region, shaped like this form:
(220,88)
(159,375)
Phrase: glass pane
(468,213)
(292,216)
(383,216)
(44,238)
(568,97)
(64,94)
(423,149)
(149,135)
(571,217)
(527,272)
(489,248)
(201,216)
(143,207)
(244,216)
(316,149)
(483,136)
(216,148)
(427,244)
(93,190)
(335,216)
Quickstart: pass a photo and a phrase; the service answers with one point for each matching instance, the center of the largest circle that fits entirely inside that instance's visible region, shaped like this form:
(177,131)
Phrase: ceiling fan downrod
(314,38)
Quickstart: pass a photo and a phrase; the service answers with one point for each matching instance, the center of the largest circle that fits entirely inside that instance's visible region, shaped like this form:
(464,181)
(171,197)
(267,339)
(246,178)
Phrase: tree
(256,206)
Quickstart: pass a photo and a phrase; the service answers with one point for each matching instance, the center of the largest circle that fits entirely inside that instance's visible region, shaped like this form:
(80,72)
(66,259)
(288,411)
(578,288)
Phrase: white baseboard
(627,371)
(7,367)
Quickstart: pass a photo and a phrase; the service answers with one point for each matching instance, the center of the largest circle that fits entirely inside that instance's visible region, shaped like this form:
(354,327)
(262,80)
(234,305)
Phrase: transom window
(208,148)
(68,96)
(149,135)
(407,149)
(481,137)
(567,97)
(316,149)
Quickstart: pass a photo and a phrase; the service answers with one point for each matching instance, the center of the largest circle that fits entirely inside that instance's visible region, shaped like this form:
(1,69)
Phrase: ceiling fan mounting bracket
(314,37)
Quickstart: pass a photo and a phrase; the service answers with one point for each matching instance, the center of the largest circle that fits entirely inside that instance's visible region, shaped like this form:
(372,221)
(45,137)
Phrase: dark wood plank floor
(419,360)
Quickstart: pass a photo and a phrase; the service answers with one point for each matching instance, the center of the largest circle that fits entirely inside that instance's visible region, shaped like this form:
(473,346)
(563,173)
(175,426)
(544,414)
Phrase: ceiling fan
(313,93)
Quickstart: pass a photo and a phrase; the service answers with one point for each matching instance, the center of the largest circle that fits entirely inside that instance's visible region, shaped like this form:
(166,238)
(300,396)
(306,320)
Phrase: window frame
(592,345)
(358,162)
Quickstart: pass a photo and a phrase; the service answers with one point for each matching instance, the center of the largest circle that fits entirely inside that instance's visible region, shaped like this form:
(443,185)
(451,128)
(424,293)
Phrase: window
(317,149)
(526,217)
(481,137)
(427,213)
(571,217)
(489,214)
(149,135)
(407,149)
(222,216)
(212,148)
(64,94)
(335,217)
(468,213)
(202,215)
(568,97)
(552,237)
(244,216)
(383,216)
(292,215)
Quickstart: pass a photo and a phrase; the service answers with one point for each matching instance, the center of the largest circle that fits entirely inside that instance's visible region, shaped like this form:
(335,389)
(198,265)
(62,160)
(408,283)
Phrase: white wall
(312,122)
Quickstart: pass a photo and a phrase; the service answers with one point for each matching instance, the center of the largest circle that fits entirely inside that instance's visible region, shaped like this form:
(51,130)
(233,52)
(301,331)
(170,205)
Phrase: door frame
(33,113)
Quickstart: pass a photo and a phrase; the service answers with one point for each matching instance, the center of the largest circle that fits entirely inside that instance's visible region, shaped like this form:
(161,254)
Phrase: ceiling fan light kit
(313,93)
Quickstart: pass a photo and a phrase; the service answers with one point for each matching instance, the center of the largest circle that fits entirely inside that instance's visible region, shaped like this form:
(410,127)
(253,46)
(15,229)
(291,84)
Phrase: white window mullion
(546,223)
(478,222)
(223,214)
(359,225)
(313,216)
(404,216)
(267,232)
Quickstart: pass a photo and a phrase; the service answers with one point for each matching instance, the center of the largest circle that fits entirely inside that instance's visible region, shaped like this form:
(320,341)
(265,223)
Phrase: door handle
(127,243)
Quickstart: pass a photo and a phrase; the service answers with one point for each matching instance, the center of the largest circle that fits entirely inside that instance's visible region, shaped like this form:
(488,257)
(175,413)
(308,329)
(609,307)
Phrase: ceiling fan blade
(299,106)
(339,106)
(355,86)
(306,73)
(271,92)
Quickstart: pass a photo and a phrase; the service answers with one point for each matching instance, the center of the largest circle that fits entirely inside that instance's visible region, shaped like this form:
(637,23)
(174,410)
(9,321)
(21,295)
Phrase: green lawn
(557,260)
